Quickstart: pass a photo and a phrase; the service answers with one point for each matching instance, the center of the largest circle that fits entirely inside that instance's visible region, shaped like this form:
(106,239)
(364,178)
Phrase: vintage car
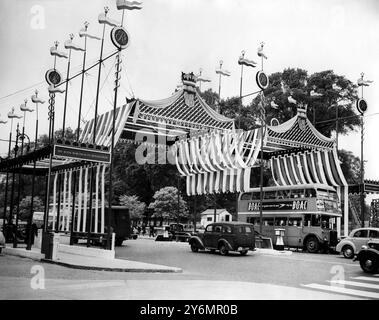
(368,257)
(2,241)
(357,238)
(225,237)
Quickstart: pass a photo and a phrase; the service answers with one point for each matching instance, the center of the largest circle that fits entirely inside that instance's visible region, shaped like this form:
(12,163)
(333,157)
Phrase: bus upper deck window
(309,193)
(256,196)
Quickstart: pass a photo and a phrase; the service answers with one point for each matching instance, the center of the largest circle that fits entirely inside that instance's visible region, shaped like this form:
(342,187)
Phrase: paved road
(205,276)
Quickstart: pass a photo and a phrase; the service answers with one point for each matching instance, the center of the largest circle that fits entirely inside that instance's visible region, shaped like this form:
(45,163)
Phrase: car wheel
(194,247)
(244,252)
(223,250)
(369,263)
(348,252)
(312,245)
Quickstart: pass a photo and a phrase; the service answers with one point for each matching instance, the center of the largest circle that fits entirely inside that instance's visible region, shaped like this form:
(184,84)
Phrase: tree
(350,165)
(337,92)
(25,206)
(166,204)
(136,207)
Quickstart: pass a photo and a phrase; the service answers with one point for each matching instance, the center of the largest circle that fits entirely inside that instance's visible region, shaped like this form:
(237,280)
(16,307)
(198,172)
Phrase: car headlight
(364,247)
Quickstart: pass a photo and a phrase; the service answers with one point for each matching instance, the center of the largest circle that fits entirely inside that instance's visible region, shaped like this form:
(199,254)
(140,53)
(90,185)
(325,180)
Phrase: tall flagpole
(240,104)
(7,178)
(82,84)
(219,87)
(19,178)
(66,91)
(90,216)
(30,220)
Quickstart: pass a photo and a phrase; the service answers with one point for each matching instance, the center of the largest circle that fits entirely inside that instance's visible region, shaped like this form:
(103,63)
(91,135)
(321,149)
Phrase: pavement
(91,263)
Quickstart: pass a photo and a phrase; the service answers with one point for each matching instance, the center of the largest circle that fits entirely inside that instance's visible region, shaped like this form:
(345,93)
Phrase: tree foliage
(136,207)
(337,93)
(167,205)
(26,204)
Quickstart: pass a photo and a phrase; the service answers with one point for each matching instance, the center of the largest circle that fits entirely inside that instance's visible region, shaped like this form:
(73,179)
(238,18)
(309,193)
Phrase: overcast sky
(171,36)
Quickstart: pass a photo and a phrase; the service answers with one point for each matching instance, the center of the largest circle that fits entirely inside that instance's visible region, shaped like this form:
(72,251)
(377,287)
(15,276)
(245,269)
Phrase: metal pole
(10,221)
(30,220)
(178,220)
(194,212)
(240,105)
(65,97)
(362,176)
(110,194)
(7,179)
(48,182)
(261,167)
(90,218)
(19,182)
(337,127)
(81,87)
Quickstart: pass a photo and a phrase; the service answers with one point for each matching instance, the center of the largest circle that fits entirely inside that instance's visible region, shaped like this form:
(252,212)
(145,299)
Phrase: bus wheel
(312,245)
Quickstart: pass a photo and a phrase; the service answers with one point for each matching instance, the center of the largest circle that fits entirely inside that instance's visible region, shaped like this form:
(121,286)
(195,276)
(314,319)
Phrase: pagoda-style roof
(298,132)
(174,116)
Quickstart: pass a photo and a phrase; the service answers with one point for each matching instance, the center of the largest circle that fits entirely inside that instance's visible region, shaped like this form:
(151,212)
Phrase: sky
(171,36)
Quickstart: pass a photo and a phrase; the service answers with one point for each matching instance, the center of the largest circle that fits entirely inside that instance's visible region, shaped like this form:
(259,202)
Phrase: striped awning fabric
(318,166)
(218,161)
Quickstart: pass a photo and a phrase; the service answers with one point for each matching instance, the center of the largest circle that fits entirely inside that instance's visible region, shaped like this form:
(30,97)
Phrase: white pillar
(97,198)
(69,201)
(102,199)
(85,200)
(80,183)
(54,201)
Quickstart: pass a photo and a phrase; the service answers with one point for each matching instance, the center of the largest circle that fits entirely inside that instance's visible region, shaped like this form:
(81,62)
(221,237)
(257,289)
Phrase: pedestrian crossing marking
(355,284)
(367,279)
(342,290)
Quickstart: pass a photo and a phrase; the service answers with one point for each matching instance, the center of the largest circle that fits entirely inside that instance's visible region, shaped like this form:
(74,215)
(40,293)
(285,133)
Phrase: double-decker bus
(308,213)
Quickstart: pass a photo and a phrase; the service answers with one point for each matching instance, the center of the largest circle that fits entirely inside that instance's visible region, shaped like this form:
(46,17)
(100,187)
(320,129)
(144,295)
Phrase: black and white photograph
(189,155)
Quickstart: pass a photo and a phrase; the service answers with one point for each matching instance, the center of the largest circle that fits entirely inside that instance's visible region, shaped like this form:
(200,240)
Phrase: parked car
(368,257)
(174,231)
(225,237)
(357,238)
(2,241)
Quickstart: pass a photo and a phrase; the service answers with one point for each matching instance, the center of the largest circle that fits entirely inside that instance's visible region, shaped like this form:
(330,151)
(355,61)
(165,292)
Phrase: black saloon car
(225,237)
(368,257)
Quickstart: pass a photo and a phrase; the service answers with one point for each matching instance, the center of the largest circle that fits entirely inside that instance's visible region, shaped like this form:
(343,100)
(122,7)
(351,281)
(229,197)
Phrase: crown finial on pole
(72,36)
(56,43)
(106,10)
(221,62)
(36,92)
(362,75)
(243,53)
(86,24)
